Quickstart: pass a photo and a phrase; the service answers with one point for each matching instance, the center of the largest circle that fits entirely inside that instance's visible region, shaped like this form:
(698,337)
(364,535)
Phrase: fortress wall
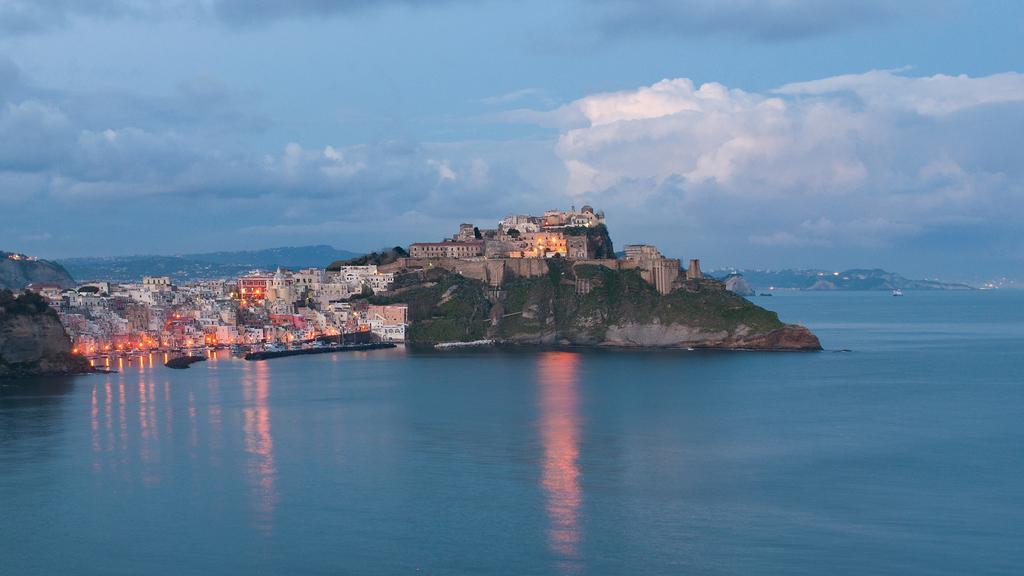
(496,271)
(611,264)
(482,270)
(526,267)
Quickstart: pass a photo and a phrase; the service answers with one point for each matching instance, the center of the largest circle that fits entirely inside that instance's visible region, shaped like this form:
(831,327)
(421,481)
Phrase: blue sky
(764,134)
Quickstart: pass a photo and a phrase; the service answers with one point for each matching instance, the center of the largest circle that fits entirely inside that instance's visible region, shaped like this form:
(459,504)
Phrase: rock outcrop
(589,305)
(32,340)
(737,285)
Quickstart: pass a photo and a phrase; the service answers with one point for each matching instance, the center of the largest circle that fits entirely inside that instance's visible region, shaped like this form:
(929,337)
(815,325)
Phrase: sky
(746,133)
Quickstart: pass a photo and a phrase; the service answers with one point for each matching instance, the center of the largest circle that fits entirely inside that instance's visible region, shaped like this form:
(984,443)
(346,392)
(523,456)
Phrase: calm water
(903,456)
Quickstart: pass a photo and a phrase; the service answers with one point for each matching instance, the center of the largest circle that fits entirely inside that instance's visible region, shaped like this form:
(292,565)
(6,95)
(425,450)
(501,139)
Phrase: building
(520,223)
(389,321)
(693,272)
(641,252)
(585,218)
(157,282)
(540,245)
(467,249)
(381,281)
(254,286)
(310,278)
(654,268)
(466,232)
(577,248)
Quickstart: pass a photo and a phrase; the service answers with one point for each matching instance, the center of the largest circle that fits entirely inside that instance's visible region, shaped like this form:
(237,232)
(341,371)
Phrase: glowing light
(560,425)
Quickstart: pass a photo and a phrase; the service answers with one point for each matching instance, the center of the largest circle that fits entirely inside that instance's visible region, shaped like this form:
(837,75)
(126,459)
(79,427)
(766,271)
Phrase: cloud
(864,160)
(518,95)
(34,16)
(252,11)
(882,162)
(85,160)
(31,16)
(931,96)
(762,20)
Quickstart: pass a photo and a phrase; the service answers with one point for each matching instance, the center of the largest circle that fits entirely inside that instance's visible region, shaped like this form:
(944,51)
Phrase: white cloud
(932,95)
(856,160)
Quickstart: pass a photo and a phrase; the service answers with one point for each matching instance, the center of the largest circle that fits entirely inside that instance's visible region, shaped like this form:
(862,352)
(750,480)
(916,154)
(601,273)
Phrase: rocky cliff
(32,339)
(589,305)
(18,271)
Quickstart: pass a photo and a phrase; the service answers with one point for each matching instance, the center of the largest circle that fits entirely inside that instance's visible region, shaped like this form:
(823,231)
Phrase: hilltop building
(451,249)
(654,268)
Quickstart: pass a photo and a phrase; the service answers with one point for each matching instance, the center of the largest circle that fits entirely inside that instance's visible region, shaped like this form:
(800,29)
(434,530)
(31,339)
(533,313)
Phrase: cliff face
(16,274)
(32,339)
(599,243)
(587,305)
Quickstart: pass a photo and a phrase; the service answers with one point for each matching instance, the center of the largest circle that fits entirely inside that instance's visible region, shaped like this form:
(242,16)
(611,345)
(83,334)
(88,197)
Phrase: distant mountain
(856,279)
(18,271)
(206,266)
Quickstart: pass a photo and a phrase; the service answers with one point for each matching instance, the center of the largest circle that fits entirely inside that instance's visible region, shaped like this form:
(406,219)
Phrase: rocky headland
(33,341)
(578,304)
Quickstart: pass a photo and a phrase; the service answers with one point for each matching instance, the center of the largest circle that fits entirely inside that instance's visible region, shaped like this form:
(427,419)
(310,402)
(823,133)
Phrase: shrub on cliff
(599,242)
(381,258)
(28,303)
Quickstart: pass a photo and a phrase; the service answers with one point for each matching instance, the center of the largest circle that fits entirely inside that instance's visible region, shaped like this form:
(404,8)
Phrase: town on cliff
(550,279)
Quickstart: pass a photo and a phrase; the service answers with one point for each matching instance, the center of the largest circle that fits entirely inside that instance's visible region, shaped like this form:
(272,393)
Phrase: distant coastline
(828,280)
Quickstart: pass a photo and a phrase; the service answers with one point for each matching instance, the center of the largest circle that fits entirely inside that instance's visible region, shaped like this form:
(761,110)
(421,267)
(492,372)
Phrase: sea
(897,450)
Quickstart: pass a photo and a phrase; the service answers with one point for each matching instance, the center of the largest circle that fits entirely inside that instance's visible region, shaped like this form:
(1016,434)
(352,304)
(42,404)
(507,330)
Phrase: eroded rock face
(789,337)
(36,344)
(658,335)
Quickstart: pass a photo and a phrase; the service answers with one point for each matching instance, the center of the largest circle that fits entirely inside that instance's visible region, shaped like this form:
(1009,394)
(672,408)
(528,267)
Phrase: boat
(765,294)
(897,292)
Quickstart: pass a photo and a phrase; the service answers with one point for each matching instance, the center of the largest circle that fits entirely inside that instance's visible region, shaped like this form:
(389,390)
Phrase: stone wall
(494,272)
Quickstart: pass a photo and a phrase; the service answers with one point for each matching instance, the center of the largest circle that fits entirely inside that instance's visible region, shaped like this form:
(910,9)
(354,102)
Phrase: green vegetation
(599,242)
(17,272)
(381,258)
(27,323)
(28,304)
(444,306)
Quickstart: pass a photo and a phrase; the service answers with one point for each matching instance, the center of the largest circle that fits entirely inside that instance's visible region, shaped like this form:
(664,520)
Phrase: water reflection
(127,420)
(560,429)
(30,408)
(259,443)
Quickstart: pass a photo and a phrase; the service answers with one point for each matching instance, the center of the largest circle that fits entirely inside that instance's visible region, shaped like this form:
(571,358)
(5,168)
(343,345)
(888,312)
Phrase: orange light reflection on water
(259,443)
(560,429)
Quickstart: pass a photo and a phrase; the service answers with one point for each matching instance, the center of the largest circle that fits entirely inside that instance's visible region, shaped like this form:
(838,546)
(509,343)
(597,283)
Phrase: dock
(268,354)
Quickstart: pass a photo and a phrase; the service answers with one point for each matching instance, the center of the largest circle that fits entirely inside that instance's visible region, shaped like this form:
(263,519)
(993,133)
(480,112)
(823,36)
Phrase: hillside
(32,340)
(854,279)
(18,271)
(204,266)
(620,310)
